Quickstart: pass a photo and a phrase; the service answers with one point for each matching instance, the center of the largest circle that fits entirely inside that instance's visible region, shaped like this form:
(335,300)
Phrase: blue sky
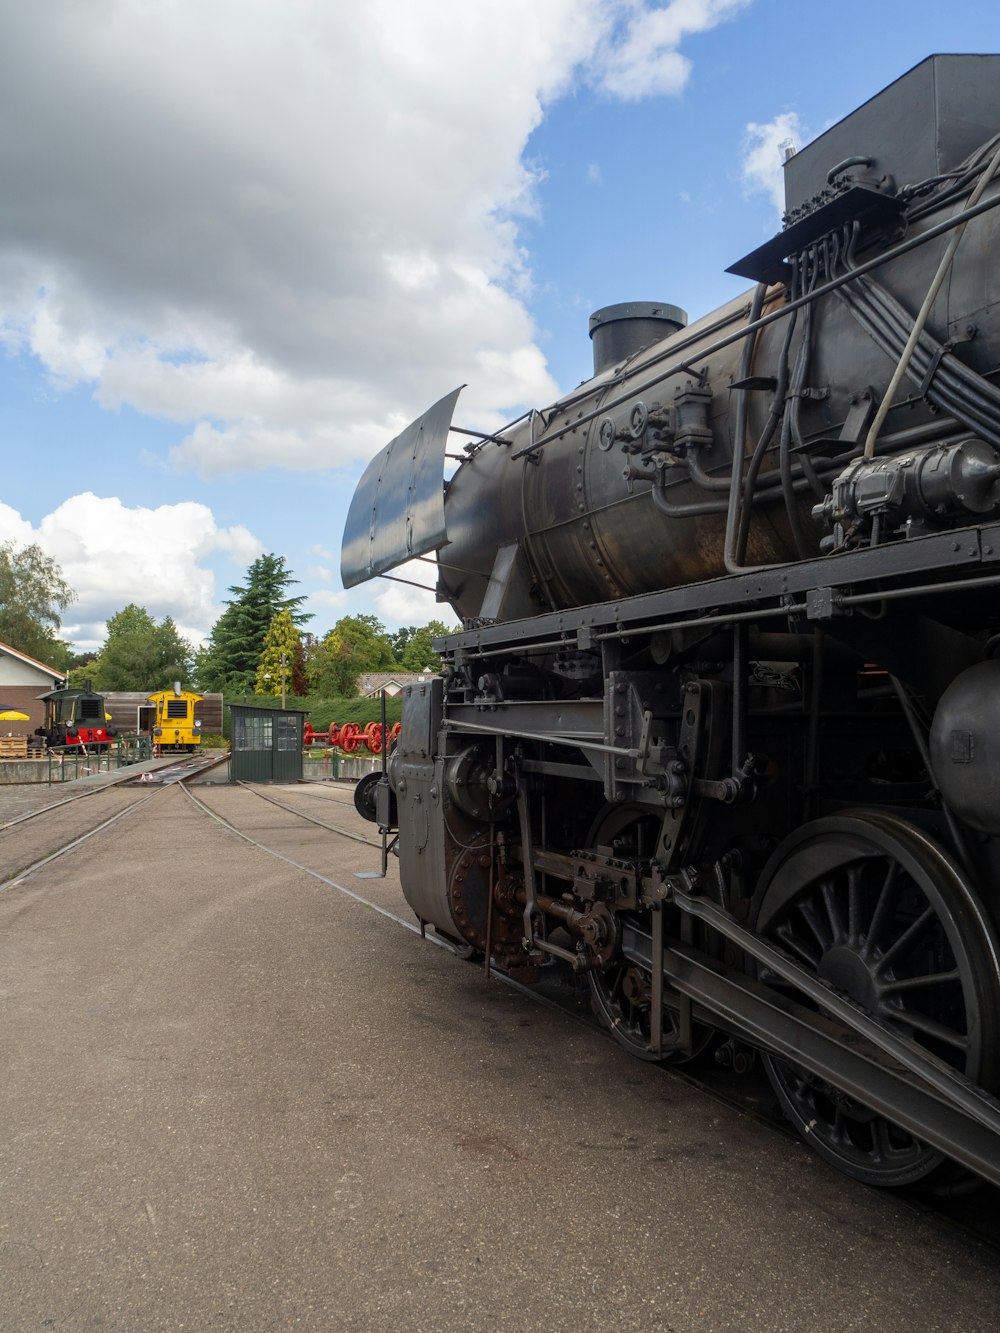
(242,244)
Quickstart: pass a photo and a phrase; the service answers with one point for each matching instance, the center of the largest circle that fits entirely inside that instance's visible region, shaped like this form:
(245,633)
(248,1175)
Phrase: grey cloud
(319,197)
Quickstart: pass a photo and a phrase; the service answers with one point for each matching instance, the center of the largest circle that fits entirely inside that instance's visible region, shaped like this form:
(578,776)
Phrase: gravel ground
(236,1099)
(22,799)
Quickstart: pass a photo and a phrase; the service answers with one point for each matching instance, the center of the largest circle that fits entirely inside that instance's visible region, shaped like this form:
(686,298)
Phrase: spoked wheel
(875,908)
(622,991)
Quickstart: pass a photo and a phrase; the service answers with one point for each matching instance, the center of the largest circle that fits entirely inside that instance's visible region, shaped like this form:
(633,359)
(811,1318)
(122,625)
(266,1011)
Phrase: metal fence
(68,762)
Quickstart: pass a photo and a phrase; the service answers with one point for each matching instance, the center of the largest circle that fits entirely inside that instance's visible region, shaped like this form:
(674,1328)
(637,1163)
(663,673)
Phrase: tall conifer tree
(230,660)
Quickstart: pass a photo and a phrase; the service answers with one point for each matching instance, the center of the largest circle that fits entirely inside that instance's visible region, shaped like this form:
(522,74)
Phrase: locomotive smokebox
(619,331)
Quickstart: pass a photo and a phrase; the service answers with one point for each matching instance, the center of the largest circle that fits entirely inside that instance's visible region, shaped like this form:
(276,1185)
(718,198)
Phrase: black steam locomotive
(722,730)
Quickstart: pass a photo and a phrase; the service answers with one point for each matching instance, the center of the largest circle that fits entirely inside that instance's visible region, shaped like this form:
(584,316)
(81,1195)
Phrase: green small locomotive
(76,717)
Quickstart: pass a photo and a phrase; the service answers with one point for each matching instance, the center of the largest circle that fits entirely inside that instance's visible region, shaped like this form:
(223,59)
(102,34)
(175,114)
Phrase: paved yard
(235,1099)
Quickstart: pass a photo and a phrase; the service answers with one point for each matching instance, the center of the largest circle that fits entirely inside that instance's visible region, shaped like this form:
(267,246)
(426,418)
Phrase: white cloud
(645,59)
(327,599)
(402,604)
(315,226)
(112,555)
(14,528)
(760,168)
(312,232)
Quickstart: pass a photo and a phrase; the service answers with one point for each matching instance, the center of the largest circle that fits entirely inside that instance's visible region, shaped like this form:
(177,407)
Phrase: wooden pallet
(13,747)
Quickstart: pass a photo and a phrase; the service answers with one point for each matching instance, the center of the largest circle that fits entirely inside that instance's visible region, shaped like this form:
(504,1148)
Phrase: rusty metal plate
(398,508)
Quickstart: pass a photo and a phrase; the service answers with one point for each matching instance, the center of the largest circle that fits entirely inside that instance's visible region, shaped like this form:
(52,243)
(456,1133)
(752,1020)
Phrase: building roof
(32,661)
(372,681)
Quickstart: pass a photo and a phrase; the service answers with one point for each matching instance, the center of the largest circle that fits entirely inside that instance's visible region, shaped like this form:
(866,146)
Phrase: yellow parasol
(12,715)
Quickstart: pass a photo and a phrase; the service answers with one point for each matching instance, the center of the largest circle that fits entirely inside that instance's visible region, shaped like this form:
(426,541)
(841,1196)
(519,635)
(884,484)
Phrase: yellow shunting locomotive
(174,724)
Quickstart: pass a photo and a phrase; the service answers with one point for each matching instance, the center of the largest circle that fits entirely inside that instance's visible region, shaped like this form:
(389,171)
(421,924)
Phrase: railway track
(35,837)
(46,809)
(331,795)
(24,851)
(219,817)
(332,828)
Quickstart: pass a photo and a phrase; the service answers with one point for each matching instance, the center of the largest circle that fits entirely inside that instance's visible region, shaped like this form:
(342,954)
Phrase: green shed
(266,744)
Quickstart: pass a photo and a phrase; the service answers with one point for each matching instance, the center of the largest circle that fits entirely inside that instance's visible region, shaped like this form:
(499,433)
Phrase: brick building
(22,680)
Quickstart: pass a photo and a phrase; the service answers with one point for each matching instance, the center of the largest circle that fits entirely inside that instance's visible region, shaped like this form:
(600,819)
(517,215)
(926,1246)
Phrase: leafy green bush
(324,711)
(361,711)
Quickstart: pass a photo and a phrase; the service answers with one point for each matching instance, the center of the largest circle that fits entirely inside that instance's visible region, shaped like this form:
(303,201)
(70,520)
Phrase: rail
(25,871)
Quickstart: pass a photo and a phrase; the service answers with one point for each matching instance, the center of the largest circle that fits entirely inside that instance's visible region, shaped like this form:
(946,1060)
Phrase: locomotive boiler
(721,732)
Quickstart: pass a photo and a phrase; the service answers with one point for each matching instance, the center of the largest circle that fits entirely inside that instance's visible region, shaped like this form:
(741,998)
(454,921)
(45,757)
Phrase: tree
(419,653)
(139,654)
(310,644)
(80,669)
(230,659)
(400,639)
(300,679)
(355,644)
(81,659)
(80,677)
(33,593)
(278,660)
(216,663)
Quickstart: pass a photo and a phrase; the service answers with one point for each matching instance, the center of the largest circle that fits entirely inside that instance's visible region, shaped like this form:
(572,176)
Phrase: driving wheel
(872,906)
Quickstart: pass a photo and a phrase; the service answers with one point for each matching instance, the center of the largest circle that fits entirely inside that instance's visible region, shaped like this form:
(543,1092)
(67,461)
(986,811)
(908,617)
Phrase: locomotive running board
(844,1045)
(397,511)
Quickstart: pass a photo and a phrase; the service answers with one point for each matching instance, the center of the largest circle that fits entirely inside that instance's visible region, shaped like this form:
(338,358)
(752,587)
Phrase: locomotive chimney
(619,331)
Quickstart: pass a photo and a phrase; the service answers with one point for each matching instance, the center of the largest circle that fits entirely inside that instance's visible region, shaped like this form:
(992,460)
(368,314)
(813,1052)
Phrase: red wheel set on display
(350,737)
